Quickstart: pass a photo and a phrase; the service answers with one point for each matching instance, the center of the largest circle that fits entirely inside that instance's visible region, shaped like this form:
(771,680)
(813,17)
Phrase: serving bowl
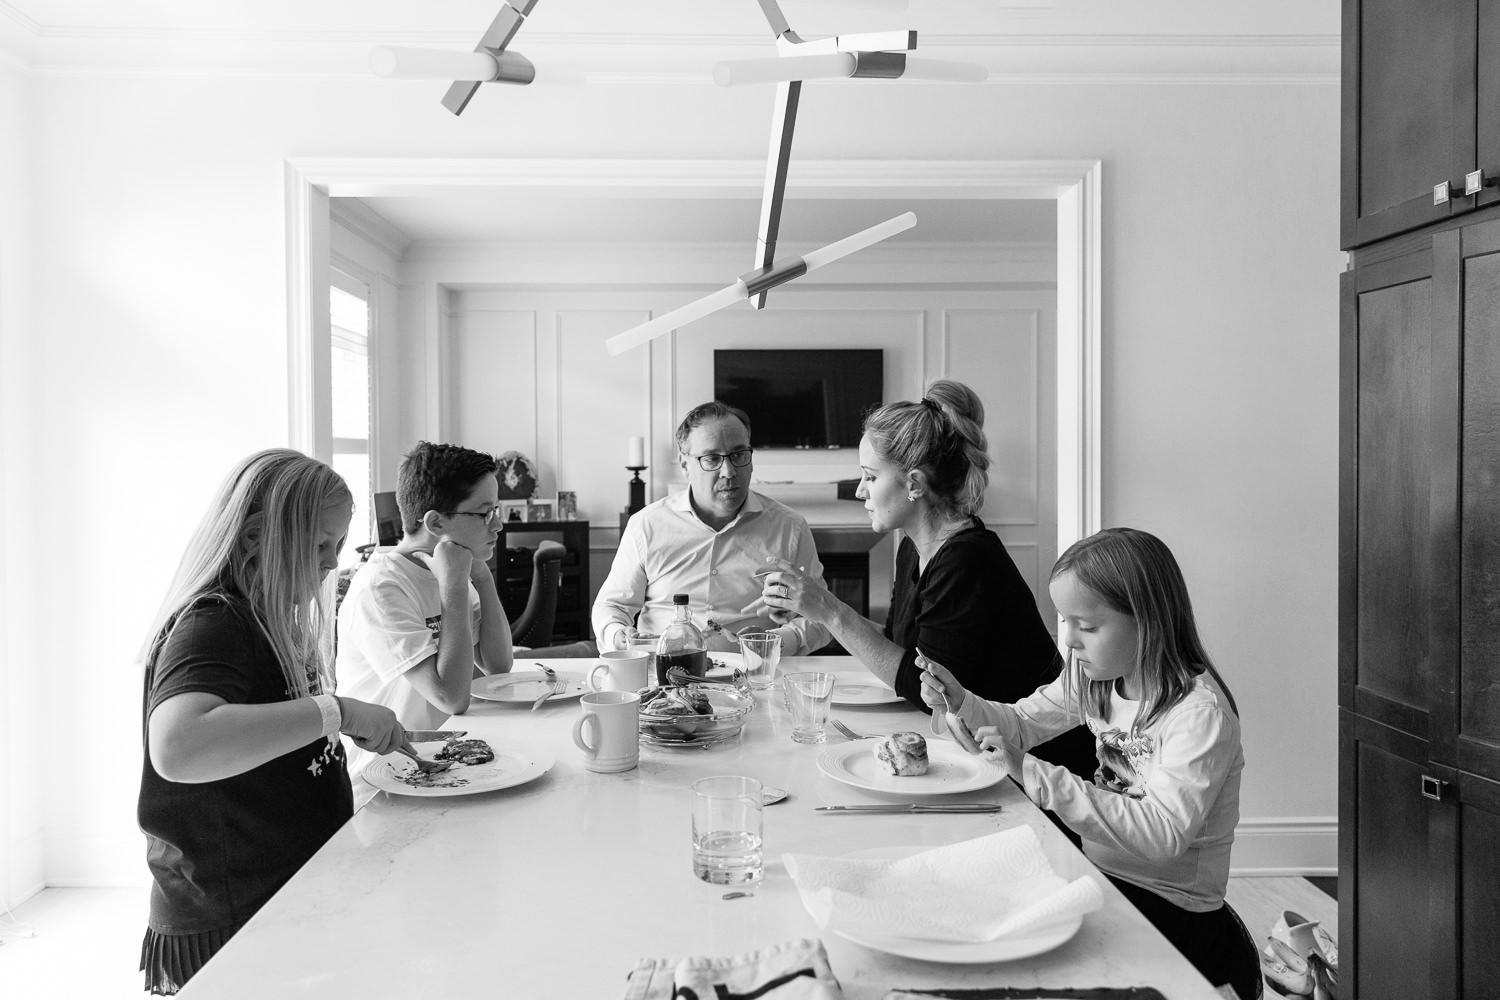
(729,707)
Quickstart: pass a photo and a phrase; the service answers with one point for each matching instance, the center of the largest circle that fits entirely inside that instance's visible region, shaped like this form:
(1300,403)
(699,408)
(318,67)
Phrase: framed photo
(540,510)
(513,511)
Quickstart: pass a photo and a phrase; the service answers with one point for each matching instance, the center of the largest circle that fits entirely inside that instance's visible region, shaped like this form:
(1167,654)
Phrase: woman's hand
(371,727)
(789,592)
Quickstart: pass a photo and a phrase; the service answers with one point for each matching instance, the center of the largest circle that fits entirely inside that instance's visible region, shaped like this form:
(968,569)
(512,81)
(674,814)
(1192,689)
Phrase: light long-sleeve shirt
(665,549)
(1162,808)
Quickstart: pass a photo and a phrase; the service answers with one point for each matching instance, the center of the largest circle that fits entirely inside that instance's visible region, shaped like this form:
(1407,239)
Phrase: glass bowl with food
(694,714)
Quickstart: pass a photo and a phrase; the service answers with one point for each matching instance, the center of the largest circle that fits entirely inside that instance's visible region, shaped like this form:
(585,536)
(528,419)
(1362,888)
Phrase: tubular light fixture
(488,63)
(757,282)
(872,55)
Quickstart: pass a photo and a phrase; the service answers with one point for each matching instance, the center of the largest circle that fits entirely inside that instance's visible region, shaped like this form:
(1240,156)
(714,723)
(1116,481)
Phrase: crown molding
(370,226)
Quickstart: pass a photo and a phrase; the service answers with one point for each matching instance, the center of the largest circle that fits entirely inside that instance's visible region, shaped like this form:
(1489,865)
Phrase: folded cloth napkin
(976,890)
(795,970)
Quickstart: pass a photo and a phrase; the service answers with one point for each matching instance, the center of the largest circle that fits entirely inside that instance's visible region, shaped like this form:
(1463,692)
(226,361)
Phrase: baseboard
(1286,845)
(75,858)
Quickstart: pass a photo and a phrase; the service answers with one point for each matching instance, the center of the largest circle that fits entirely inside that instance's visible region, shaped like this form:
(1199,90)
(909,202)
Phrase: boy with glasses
(418,619)
(708,541)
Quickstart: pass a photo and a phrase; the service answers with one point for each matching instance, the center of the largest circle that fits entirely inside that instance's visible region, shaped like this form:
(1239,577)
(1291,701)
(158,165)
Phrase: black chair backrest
(533,627)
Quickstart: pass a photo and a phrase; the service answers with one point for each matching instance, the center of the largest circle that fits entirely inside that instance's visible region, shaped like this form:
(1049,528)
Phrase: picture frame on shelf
(513,511)
(540,508)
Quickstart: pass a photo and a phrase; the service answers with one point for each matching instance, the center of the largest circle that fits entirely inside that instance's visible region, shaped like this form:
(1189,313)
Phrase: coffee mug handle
(583,720)
(594,682)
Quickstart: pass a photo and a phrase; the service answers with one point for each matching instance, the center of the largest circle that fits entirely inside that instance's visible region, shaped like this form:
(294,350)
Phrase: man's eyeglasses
(712,463)
(493,512)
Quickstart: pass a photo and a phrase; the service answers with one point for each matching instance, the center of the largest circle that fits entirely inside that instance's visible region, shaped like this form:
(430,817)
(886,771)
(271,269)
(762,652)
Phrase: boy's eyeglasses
(493,512)
(712,463)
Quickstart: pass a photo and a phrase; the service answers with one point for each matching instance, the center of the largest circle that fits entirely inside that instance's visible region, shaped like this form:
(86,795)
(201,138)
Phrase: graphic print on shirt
(1124,761)
(332,753)
(435,624)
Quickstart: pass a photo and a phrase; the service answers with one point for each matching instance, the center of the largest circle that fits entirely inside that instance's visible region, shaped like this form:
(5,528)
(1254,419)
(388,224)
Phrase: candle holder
(637,490)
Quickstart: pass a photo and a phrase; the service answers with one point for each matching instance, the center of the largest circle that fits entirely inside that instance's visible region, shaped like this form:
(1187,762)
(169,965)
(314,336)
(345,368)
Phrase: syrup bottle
(681,644)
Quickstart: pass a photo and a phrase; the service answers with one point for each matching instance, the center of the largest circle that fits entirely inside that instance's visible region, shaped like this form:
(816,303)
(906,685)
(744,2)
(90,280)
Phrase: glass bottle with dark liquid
(681,645)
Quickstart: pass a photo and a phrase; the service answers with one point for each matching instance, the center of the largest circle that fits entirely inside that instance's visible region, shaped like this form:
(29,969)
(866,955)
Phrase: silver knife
(427,735)
(970,807)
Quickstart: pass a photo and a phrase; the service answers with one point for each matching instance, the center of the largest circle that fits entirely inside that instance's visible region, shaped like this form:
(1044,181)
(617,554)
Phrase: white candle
(637,453)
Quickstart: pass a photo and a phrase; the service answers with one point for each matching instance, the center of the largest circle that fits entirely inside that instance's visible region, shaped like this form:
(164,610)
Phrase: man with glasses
(419,618)
(708,541)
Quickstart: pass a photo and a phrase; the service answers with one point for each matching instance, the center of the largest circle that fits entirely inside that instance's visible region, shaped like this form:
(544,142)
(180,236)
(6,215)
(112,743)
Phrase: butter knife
(426,735)
(970,807)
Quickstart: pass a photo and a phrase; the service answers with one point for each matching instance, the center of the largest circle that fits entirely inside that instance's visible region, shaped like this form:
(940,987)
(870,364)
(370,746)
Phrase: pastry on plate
(902,754)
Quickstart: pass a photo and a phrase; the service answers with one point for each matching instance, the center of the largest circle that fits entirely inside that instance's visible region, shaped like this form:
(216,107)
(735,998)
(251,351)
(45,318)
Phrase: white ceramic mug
(620,670)
(609,730)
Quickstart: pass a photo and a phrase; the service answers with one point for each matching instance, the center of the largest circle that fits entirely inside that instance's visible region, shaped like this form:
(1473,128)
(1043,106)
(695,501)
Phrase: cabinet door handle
(1474,182)
(1441,193)
(1434,788)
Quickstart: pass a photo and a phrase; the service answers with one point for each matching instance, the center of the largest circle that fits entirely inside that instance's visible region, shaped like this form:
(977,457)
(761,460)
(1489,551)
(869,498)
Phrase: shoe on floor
(1307,937)
(1288,972)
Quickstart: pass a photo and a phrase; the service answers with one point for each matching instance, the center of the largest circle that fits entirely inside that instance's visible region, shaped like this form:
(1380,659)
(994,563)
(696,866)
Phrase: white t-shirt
(390,621)
(1162,808)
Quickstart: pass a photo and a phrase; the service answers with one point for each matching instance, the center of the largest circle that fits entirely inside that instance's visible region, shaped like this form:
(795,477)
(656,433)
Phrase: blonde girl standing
(244,775)
(1158,818)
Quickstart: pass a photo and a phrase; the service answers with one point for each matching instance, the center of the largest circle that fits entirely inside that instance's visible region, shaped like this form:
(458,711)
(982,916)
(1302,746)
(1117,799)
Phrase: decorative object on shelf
(539,510)
(517,476)
(870,55)
(513,511)
(635,463)
(490,62)
(567,505)
(756,282)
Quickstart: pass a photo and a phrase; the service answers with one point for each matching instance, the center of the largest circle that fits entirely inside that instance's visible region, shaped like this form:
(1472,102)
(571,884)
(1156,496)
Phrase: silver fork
(423,764)
(848,733)
(557,686)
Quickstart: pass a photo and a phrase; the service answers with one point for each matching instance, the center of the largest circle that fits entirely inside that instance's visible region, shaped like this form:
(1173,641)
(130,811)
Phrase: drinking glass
(727,833)
(762,652)
(645,644)
(808,696)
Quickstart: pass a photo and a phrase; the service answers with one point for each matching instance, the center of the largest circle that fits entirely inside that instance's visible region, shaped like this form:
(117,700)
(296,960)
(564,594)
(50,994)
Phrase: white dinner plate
(524,686)
(722,665)
(862,689)
(512,766)
(1006,949)
(949,770)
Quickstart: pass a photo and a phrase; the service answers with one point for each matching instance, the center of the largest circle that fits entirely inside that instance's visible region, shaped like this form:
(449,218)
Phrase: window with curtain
(349,309)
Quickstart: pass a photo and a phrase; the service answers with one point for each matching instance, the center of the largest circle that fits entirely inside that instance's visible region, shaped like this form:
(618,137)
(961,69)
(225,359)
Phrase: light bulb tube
(815,259)
(402,63)
(943,71)
(682,316)
(784,69)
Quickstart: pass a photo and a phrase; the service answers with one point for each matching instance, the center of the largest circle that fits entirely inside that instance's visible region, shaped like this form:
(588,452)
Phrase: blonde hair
(1135,574)
(257,548)
(942,434)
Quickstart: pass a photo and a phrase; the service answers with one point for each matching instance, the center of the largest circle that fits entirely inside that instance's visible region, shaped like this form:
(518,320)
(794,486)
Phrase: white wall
(159,355)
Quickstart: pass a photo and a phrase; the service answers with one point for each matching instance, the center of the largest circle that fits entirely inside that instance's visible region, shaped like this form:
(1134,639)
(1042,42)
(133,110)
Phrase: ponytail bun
(943,436)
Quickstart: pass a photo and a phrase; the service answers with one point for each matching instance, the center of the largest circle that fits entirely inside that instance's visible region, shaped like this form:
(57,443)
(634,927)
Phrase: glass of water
(762,652)
(808,697)
(727,829)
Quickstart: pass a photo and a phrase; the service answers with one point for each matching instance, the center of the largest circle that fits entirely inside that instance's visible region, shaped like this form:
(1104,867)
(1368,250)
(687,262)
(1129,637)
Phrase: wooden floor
(84,944)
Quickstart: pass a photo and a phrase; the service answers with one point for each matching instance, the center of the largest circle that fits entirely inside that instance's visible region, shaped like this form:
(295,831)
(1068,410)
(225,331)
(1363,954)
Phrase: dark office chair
(533,626)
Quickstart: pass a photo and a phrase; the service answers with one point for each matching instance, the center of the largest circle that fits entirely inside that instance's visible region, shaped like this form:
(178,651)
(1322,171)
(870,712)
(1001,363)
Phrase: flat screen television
(801,398)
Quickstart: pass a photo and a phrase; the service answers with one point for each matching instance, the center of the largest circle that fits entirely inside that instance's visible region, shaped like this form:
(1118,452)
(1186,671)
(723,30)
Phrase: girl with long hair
(244,777)
(1158,817)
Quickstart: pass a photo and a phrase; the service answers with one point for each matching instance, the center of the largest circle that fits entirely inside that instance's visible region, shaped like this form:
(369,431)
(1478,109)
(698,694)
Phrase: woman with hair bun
(957,596)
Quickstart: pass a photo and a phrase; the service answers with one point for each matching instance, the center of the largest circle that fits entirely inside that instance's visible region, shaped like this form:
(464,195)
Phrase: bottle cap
(679,598)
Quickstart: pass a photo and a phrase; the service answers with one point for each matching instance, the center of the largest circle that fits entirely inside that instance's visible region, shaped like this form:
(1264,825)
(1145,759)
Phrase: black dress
(218,850)
(971,611)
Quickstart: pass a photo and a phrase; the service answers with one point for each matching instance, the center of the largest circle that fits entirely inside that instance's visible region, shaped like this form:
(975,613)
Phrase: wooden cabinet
(1421,106)
(518,539)
(1419,615)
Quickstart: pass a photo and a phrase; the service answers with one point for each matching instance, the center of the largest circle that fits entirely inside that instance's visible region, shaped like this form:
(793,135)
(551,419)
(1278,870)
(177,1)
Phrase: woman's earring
(911,497)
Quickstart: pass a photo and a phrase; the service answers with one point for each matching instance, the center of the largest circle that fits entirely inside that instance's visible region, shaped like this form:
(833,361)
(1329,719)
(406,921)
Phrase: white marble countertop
(555,888)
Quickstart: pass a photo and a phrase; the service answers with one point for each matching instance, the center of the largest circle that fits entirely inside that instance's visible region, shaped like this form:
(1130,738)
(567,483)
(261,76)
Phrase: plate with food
(874,764)
(862,689)
(693,715)
(1022,944)
(477,767)
(525,686)
(722,665)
